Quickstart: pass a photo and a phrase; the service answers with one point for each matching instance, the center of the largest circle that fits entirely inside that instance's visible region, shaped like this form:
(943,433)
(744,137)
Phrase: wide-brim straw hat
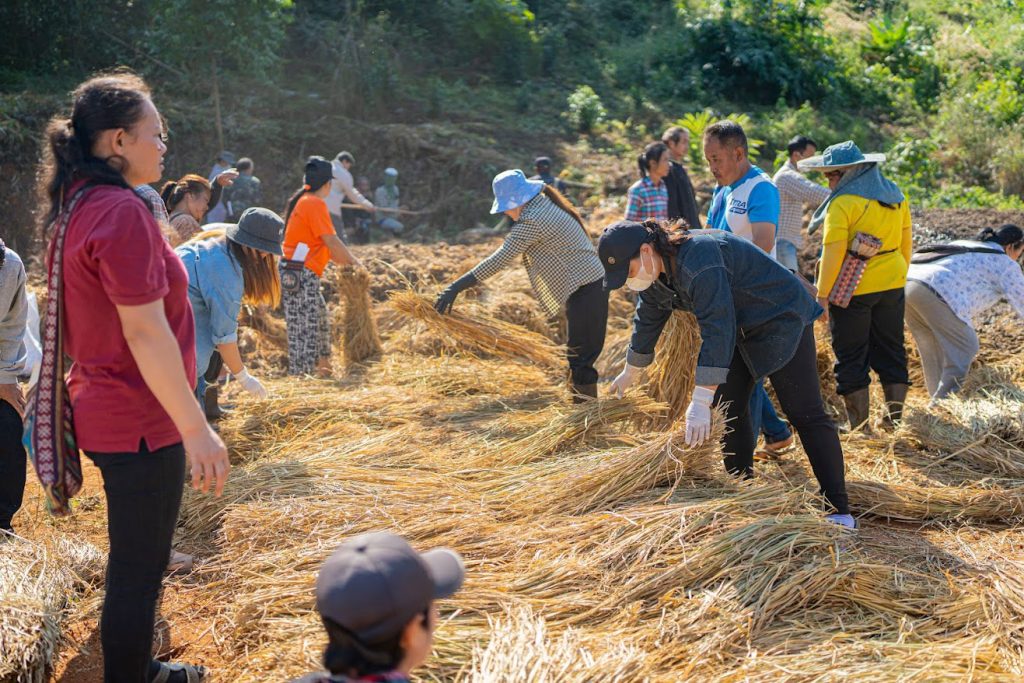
(838,156)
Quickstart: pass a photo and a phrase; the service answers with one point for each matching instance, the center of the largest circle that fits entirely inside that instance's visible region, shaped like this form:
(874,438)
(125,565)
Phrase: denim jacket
(742,299)
(215,288)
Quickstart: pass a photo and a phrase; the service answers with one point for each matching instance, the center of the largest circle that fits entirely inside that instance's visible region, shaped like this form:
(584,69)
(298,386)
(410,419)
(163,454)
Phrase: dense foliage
(938,84)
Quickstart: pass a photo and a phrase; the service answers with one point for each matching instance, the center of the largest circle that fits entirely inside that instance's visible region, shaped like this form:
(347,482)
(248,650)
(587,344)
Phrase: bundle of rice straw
(910,503)
(36,582)
(675,362)
(522,649)
(361,338)
(271,329)
(568,426)
(482,334)
(585,484)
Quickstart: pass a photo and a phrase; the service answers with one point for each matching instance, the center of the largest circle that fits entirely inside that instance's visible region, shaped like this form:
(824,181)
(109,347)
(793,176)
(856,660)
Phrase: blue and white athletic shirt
(751,199)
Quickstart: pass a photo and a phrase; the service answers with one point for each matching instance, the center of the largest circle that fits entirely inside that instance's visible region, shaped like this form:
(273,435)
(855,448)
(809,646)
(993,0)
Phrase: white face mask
(644,278)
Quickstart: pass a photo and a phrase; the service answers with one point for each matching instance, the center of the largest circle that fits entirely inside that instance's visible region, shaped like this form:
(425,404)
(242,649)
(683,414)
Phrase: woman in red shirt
(310,243)
(128,328)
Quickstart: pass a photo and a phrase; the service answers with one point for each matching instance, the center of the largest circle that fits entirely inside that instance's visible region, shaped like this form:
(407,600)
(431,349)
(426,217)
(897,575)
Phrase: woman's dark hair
(345,654)
(564,204)
(105,102)
(651,155)
(174,191)
(293,200)
(666,237)
(799,144)
(1006,235)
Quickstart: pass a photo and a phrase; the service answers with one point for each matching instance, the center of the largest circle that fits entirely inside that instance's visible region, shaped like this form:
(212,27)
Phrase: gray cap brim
(817,163)
(446,569)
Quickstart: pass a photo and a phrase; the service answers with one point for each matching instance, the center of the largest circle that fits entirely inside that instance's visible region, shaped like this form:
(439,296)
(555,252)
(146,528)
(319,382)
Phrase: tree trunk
(216,106)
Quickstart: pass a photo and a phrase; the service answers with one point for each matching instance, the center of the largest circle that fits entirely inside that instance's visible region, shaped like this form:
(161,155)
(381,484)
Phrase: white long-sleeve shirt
(972,283)
(343,187)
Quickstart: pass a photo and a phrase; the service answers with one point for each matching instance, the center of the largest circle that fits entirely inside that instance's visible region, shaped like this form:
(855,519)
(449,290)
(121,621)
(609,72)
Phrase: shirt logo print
(737,206)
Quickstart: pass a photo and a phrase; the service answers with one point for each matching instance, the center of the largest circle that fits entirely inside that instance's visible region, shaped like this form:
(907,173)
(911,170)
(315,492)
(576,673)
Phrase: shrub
(585,109)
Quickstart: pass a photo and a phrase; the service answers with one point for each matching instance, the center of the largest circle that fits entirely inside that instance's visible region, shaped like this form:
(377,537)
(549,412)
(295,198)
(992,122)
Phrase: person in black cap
(310,243)
(756,320)
(542,166)
(375,596)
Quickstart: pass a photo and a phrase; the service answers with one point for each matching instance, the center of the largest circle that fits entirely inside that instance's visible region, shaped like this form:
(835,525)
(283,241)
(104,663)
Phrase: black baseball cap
(619,243)
(543,162)
(374,584)
(317,172)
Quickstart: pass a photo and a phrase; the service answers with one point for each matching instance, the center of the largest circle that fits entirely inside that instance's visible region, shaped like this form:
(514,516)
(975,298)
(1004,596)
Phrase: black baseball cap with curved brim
(619,243)
(374,584)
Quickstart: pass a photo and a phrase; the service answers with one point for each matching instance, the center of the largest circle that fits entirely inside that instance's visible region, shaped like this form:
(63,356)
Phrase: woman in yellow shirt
(868,333)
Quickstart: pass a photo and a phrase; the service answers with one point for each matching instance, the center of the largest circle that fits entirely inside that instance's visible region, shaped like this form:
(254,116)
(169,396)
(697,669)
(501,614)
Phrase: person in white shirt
(225,162)
(795,191)
(343,191)
(948,287)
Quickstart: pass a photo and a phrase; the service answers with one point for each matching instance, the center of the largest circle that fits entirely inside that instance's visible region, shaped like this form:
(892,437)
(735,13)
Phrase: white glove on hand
(698,416)
(251,384)
(625,380)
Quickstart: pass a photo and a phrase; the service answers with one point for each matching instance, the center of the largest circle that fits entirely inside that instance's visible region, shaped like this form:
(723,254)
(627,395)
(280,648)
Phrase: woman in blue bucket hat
(867,333)
(560,258)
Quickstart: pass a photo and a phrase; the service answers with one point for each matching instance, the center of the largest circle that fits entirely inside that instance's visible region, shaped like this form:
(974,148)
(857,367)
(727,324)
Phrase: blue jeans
(764,418)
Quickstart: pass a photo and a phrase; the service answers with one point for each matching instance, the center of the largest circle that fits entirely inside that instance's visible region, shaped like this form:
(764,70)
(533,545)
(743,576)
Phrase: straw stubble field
(598,547)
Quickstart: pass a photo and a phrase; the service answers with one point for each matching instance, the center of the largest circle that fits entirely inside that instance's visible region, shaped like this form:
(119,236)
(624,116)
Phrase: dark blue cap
(375,583)
(619,244)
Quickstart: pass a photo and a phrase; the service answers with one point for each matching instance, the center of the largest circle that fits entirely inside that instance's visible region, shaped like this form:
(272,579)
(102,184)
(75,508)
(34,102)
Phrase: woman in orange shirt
(309,244)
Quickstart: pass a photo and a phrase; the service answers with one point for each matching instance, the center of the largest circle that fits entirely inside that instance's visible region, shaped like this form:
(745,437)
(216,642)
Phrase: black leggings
(12,464)
(143,496)
(586,313)
(797,387)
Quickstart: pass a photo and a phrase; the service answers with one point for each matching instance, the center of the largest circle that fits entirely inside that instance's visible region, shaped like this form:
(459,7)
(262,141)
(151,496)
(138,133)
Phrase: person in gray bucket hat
(228,264)
(375,595)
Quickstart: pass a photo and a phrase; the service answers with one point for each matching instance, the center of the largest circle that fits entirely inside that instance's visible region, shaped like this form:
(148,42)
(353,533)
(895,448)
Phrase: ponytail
(174,191)
(1006,235)
(666,237)
(651,155)
(102,103)
(564,204)
(293,200)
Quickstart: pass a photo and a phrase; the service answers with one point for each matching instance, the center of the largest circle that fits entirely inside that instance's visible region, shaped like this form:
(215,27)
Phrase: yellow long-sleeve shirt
(849,214)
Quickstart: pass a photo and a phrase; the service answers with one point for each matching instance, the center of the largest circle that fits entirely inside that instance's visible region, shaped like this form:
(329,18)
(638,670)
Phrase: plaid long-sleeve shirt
(558,254)
(646,201)
(794,192)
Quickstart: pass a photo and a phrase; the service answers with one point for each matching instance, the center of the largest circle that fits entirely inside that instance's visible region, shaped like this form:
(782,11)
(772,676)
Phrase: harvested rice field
(598,546)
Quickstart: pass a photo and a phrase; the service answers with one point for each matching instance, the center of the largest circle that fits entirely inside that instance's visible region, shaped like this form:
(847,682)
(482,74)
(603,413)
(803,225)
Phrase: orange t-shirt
(308,223)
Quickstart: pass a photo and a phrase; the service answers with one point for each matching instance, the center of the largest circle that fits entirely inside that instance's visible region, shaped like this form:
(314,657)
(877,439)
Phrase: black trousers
(868,334)
(797,387)
(12,464)
(586,312)
(143,492)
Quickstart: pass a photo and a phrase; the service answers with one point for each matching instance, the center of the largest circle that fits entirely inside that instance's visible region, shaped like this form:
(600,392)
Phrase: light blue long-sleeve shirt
(215,288)
(13,315)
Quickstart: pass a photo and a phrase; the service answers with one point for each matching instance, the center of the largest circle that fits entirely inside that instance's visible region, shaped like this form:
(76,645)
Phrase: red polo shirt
(114,255)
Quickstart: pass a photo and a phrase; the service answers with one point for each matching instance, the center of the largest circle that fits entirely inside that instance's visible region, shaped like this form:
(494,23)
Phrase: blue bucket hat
(512,189)
(841,155)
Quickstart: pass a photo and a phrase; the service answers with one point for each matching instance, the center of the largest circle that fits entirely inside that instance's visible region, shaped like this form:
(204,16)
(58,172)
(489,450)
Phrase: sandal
(179,564)
(193,673)
(774,451)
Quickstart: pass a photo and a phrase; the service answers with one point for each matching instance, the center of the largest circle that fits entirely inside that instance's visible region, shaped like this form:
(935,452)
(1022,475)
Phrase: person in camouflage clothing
(244,193)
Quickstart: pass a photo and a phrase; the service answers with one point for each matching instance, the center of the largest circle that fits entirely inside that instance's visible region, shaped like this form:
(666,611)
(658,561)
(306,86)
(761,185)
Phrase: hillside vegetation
(452,91)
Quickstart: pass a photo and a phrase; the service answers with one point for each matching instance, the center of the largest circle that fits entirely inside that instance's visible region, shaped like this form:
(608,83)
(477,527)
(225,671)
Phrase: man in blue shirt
(746,203)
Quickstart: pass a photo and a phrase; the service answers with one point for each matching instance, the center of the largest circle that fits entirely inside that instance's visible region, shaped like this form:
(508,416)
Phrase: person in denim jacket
(227,264)
(756,320)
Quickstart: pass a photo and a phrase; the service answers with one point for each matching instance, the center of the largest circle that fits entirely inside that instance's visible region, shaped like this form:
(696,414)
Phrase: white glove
(251,384)
(625,380)
(698,416)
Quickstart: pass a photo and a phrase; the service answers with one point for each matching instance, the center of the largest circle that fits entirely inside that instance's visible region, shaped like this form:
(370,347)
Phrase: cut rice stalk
(361,338)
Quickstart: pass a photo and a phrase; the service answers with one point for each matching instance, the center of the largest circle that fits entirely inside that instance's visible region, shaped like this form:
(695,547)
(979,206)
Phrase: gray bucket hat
(258,228)
(841,155)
